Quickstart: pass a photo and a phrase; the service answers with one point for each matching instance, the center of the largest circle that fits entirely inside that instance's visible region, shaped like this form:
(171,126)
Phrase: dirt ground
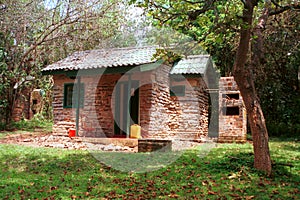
(36,139)
(40,139)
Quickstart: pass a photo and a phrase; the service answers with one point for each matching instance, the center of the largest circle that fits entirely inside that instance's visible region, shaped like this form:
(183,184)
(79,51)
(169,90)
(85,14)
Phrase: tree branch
(194,2)
(66,21)
(284,8)
(195,13)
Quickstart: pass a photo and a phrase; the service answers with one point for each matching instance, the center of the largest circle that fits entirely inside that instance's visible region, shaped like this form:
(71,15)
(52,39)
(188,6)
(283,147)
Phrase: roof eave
(109,70)
(187,75)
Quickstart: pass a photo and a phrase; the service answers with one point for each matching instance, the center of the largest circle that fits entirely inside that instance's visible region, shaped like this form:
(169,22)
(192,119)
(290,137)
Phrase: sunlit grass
(225,173)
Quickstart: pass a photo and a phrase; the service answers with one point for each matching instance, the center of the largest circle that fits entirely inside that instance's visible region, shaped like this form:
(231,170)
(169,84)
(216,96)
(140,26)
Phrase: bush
(37,122)
(284,130)
(2,126)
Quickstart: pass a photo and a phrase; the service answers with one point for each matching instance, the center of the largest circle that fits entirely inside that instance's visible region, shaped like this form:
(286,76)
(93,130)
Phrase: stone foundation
(150,145)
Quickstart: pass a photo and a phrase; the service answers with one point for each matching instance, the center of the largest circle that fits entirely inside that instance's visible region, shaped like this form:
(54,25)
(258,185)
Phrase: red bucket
(72,132)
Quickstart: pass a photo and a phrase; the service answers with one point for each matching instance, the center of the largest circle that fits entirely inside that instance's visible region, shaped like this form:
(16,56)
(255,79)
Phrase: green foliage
(211,24)
(283,129)
(35,34)
(215,25)
(2,126)
(5,76)
(167,56)
(276,79)
(37,122)
(226,173)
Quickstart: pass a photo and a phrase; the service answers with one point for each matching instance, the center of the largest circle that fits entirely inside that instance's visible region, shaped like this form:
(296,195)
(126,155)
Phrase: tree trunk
(244,77)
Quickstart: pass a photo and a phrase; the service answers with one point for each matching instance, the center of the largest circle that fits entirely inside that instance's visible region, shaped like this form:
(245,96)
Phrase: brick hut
(103,92)
(232,115)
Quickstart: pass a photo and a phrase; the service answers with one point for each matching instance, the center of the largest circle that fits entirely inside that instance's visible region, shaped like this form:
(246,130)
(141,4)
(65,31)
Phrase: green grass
(36,124)
(225,173)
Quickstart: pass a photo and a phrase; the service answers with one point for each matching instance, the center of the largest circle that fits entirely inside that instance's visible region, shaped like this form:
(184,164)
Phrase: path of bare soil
(42,139)
(36,139)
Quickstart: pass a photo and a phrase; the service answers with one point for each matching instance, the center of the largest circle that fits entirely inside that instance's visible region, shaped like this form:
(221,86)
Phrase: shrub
(37,122)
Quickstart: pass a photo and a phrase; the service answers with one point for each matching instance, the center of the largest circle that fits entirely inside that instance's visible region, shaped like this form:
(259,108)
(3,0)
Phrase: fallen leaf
(204,183)
(212,193)
(153,194)
(21,191)
(275,192)
(232,188)
(163,182)
(53,188)
(173,195)
(234,195)
(232,176)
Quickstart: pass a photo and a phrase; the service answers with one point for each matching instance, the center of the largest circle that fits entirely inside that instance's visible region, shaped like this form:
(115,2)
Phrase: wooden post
(78,104)
(128,106)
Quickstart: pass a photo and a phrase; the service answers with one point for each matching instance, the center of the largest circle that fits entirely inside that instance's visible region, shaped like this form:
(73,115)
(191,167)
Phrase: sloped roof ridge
(110,49)
(121,48)
(198,56)
(122,57)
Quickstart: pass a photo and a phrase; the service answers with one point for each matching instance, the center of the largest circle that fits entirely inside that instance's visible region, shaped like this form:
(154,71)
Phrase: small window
(178,90)
(229,111)
(70,95)
(234,96)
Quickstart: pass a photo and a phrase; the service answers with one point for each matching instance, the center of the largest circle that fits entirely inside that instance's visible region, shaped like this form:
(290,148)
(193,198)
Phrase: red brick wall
(189,113)
(232,128)
(161,116)
(63,118)
(96,117)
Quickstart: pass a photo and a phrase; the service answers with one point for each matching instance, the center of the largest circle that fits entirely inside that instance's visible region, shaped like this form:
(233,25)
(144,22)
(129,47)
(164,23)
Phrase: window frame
(67,95)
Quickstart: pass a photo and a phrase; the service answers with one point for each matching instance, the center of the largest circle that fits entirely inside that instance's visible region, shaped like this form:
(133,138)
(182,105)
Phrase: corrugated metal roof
(122,57)
(104,58)
(196,64)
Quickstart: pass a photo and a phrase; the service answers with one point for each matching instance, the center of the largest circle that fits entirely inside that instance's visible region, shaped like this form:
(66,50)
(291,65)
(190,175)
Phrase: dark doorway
(122,94)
